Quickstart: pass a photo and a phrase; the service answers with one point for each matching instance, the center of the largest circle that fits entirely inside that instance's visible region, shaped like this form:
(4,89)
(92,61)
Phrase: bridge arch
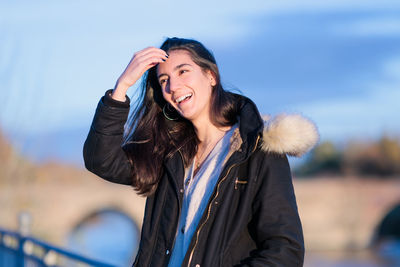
(108,234)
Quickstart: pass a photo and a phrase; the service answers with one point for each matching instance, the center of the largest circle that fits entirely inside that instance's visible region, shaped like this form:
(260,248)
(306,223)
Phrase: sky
(336,62)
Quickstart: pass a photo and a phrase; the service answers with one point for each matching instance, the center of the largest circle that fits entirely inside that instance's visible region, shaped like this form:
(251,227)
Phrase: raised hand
(139,64)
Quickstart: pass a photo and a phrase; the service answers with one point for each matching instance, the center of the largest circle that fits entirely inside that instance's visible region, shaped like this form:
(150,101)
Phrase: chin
(188,116)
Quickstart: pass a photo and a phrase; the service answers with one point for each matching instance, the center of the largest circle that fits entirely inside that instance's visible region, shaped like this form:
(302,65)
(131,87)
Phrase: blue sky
(336,62)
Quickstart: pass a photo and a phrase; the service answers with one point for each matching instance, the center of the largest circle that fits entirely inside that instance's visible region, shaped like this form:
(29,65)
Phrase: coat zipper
(210,204)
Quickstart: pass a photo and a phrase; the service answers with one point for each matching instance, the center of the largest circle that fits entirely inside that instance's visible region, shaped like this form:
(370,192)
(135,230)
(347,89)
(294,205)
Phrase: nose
(174,84)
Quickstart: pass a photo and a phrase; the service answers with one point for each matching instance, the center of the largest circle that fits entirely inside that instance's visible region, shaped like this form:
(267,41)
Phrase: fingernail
(163,59)
(167,55)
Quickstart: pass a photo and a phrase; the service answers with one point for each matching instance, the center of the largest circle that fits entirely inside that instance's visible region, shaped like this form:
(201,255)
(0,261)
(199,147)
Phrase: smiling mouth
(183,98)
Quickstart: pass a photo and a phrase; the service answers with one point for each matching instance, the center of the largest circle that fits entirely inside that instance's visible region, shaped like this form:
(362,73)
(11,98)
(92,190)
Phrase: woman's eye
(182,71)
(163,81)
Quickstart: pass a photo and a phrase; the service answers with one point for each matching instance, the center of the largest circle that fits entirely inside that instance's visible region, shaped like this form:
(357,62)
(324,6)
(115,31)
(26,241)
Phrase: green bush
(376,158)
(325,158)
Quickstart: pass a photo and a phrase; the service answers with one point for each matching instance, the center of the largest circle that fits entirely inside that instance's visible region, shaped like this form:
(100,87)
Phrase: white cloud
(377,26)
(61,56)
(368,115)
(392,68)
(62,49)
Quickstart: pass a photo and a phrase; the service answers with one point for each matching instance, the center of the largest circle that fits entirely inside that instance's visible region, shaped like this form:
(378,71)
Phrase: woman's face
(186,86)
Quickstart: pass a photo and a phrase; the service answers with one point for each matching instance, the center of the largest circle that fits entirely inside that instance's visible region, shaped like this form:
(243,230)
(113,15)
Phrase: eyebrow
(176,68)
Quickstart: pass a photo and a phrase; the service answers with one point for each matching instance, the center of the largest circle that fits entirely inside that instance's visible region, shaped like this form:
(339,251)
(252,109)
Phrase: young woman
(217,180)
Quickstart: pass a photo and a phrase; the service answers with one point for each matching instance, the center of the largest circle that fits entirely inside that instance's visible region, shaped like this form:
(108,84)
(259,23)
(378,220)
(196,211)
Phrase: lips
(183,98)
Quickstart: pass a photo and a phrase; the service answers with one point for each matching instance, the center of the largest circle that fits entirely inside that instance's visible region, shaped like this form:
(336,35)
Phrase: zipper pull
(237,181)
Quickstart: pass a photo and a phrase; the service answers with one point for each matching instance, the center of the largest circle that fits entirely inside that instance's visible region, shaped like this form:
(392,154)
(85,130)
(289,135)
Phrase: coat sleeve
(102,151)
(276,225)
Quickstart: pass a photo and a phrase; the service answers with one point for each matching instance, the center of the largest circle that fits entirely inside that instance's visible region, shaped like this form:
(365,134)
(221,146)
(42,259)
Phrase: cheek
(163,92)
(167,97)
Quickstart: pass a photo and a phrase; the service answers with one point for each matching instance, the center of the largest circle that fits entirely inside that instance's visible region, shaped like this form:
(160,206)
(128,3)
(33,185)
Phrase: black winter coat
(251,218)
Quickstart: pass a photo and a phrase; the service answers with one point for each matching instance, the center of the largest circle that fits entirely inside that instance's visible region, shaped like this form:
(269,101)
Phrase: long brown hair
(151,137)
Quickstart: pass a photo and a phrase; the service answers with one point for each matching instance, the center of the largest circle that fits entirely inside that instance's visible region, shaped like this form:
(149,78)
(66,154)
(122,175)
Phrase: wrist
(119,92)
(112,102)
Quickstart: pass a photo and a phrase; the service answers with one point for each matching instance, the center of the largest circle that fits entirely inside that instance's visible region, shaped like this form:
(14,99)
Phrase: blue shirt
(198,190)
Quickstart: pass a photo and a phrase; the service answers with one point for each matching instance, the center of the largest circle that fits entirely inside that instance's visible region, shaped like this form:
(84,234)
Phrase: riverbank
(339,214)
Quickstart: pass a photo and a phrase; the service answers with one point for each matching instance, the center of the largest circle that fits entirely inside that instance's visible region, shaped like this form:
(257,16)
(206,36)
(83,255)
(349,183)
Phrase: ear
(211,77)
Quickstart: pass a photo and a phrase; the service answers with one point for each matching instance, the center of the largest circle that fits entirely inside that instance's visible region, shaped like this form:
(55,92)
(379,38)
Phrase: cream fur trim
(290,134)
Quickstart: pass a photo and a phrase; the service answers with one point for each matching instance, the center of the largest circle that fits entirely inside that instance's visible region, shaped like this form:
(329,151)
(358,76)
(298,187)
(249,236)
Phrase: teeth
(180,99)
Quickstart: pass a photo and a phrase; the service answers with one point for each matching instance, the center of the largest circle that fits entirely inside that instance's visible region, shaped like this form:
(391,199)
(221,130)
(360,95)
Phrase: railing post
(24,229)
(20,253)
(24,223)
(1,249)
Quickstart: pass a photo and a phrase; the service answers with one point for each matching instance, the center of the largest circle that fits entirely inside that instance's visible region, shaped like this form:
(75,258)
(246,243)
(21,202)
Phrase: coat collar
(290,134)
(250,125)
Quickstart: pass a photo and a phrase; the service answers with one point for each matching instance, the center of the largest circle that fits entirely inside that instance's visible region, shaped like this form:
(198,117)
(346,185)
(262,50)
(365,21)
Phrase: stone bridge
(343,213)
(337,213)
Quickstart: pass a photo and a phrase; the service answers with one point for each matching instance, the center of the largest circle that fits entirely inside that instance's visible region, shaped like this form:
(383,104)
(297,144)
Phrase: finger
(152,56)
(147,53)
(151,61)
(151,51)
(147,67)
(138,67)
(139,63)
(149,58)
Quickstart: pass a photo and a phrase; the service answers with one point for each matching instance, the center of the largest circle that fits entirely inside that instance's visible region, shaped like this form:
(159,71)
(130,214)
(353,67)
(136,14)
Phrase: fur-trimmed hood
(290,134)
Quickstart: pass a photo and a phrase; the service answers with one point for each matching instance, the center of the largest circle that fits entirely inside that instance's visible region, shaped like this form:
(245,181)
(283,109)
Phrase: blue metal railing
(21,251)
